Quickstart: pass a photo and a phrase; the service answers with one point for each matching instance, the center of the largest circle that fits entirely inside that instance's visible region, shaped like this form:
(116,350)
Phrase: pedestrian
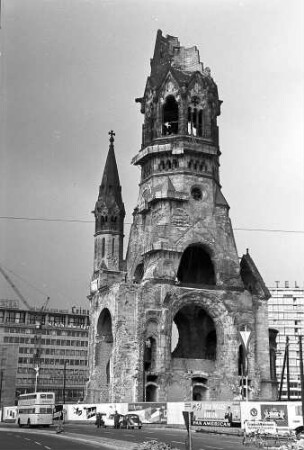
(60,425)
(228,415)
(98,420)
(116,420)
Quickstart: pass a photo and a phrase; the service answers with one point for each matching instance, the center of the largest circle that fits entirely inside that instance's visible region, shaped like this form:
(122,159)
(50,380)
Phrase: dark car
(131,421)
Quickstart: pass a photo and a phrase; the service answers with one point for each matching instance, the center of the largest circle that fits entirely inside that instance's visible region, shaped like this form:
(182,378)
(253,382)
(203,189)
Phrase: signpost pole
(190,437)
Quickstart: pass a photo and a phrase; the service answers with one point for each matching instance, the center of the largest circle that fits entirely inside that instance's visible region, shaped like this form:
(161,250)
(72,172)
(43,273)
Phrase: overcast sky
(70,71)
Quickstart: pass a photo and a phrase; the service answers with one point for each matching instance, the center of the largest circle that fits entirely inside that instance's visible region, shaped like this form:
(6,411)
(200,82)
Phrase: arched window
(108,373)
(150,354)
(194,330)
(104,337)
(195,119)
(199,389)
(161,165)
(103,245)
(151,393)
(196,266)
(200,123)
(113,246)
(139,273)
(272,352)
(170,116)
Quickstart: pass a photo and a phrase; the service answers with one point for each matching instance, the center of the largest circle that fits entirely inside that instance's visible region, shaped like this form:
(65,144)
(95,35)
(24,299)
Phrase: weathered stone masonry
(166,322)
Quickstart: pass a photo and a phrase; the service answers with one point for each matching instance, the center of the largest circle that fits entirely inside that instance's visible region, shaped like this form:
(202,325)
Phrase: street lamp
(36,368)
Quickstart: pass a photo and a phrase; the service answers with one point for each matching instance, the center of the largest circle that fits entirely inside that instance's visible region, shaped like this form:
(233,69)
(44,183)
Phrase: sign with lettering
(212,423)
(215,414)
(260,426)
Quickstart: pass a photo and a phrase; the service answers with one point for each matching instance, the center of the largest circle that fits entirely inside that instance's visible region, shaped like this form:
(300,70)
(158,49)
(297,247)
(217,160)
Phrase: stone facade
(167,322)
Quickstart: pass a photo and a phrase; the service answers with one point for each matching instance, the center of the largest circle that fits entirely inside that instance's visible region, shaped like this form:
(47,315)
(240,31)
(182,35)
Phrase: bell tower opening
(196,267)
(170,116)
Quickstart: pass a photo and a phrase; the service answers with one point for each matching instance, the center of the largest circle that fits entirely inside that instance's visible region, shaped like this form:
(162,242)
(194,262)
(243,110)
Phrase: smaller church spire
(110,189)
(109,215)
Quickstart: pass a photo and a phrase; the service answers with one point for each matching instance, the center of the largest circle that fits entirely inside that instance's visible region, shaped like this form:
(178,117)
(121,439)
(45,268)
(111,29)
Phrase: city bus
(35,409)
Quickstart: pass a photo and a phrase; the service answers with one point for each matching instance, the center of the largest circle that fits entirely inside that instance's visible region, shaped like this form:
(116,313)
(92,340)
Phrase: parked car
(131,421)
(299,431)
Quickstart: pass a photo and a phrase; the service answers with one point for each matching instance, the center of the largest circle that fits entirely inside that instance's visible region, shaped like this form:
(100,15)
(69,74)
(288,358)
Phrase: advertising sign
(282,413)
(277,413)
(88,411)
(260,427)
(150,412)
(215,414)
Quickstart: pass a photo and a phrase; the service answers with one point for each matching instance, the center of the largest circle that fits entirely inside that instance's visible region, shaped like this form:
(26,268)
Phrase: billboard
(214,414)
(149,412)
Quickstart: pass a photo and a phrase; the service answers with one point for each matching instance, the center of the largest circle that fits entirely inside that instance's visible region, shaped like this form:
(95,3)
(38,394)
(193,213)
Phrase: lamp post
(36,368)
(245,336)
(64,380)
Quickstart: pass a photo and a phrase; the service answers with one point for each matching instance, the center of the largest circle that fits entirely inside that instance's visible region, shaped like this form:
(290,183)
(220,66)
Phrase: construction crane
(15,289)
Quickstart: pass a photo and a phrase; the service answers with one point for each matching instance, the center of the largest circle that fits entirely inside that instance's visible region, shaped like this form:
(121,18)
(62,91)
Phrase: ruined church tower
(182,318)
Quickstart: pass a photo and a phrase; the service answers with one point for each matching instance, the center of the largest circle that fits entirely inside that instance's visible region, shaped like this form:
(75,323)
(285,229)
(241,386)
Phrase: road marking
(211,446)
(27,439)
(48,448)
(178,442)
(38,443)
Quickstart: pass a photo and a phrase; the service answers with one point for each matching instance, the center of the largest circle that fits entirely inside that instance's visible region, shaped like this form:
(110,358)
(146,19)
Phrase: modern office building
(286,314)
(42,350)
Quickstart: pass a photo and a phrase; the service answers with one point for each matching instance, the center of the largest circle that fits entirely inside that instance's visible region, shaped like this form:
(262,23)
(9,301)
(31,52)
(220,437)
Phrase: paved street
(29,440)
(82,437)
